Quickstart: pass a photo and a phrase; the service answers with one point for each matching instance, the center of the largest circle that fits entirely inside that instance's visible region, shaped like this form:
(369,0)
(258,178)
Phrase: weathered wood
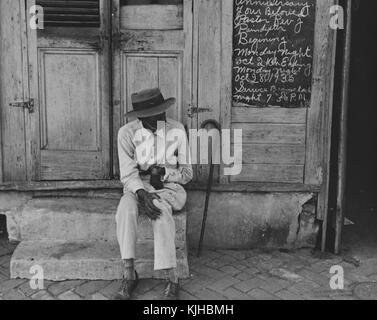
(33,120)
(272,133)
(66,165)
(63,39)
(151,58)
(12,84)
(25,66)
(271,173)
(188,92)
(71,79)
(170,77)
(320,115)
(141,72)
(209,67)
(70,108)
(71,188)
(193,117)
(117,105)
(226,71)
(269,115)
(272,154)
(151,17)
(155,70)
(343,132)
(318,133)
(152,40)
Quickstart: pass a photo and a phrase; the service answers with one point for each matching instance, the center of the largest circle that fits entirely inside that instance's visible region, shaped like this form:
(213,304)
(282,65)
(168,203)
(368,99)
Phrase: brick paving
(217,275)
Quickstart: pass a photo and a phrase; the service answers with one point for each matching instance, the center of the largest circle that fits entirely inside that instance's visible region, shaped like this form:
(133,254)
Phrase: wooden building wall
(13,87)
(281,146)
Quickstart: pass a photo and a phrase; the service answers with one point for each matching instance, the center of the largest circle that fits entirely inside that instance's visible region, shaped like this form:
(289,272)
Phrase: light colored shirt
(139,149)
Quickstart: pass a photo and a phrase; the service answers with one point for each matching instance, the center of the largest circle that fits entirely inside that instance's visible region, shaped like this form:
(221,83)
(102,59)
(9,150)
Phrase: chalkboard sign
(273,44)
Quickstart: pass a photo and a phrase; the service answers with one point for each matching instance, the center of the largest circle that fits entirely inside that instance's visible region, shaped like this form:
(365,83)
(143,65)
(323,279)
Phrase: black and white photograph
(201,152)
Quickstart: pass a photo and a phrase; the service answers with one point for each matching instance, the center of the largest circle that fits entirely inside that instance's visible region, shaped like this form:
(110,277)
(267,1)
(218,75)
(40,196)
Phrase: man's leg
(164,238)
(126,220)
(173,197)
(165,248)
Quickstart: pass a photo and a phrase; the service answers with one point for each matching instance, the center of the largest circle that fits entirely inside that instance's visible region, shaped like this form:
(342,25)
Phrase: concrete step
(86,260)
(79,219)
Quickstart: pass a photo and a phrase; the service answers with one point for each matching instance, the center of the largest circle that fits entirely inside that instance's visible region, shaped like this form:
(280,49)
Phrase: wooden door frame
(18,92)
(335,186)
(32,91)
(343,131)
(187,85)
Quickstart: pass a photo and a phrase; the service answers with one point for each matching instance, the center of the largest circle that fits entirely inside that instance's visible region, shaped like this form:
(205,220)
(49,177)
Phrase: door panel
(152,17)
(150,71)
(70,110)
(152,47)
(69,80)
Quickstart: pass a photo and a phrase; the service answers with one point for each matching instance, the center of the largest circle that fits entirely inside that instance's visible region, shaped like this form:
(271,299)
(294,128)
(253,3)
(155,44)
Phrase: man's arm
(184,174)
(129,172)
(130,176)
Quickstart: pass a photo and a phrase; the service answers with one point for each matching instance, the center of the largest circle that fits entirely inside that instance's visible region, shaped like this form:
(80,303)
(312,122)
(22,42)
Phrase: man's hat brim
(155,111)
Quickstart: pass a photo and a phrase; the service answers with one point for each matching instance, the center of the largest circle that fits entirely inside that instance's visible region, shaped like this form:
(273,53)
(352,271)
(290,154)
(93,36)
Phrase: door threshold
(61,185)
(116,185)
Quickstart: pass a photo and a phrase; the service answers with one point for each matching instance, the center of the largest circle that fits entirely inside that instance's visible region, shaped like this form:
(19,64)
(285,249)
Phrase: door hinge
(29,104)
(196,110)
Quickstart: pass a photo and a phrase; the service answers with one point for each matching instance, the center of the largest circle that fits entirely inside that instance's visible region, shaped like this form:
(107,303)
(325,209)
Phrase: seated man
(153,171)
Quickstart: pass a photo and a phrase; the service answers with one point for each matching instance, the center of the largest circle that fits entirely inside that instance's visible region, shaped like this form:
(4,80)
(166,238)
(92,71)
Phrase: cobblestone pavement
(218,275)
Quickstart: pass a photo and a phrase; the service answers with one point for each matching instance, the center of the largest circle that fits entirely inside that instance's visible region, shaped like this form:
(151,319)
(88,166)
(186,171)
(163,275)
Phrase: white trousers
(173,198)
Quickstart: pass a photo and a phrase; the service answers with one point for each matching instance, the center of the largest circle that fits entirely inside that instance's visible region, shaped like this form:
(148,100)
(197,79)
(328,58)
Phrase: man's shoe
(171,291)
(127,288)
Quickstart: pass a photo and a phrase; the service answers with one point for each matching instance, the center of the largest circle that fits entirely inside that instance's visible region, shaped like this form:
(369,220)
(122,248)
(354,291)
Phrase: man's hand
(146,200)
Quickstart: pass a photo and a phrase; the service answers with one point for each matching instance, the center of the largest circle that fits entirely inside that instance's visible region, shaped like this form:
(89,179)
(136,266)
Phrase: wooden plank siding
(268,173)
(13,87)
(274,144)
(274,153)
(272,133)
(320,112)
(152,17)
(292,145)
(274,139)
(208,34)
(269,115)
(323,136)
(281,146)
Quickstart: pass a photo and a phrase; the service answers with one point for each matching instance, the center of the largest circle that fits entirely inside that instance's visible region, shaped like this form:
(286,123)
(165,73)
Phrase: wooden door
(69,82)
(152,47)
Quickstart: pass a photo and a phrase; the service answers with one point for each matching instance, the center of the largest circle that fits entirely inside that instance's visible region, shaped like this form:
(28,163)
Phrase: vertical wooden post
(12,84)
(342,152)
(323,197)
(226,102)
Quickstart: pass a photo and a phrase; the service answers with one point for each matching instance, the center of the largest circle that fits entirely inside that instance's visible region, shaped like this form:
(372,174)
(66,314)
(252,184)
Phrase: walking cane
(209,188)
